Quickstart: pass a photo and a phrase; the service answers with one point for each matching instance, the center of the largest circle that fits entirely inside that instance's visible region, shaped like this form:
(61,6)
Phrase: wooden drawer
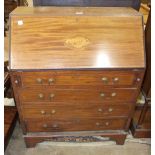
(77,95)
(84,78)
(69,111)
(75,125)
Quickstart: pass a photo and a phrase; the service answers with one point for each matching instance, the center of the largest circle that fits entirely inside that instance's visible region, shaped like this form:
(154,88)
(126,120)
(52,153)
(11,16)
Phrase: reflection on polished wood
(98,38)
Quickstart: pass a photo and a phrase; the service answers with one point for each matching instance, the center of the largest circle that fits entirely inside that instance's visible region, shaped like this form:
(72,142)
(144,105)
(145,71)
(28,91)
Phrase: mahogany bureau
(76,71)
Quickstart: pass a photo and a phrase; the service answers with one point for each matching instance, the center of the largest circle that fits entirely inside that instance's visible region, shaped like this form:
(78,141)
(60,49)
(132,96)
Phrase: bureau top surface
(86,11)
(76,38)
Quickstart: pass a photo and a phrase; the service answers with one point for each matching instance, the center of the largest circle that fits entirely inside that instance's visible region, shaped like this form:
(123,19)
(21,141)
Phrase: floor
(132,146)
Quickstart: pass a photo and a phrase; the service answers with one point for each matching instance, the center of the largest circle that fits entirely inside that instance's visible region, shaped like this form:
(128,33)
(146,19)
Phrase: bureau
(76,71)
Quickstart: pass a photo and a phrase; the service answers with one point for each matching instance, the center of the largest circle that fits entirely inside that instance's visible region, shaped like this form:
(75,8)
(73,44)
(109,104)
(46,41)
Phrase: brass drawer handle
(110,109)
(100,110)
(113,94)
(53,111)
(52,96)
(97,124)
(45,126)
(16,81)
(39,80)
(55,125)
(102,94)
(107,123)
(43,112)
(41,96)
(116,79)
(138,79)
(105,80)
(50,81)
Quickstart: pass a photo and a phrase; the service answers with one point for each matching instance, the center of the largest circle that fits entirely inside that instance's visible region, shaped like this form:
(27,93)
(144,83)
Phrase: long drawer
(77,95)
(75,125)
(84,78)
(69,111)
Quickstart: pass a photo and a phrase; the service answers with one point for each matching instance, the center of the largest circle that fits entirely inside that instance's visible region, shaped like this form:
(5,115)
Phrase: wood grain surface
(73,125)
(54,38)
(77,95)
(65,11)
(81,78)
(45,111)
(76,69)
(31,139)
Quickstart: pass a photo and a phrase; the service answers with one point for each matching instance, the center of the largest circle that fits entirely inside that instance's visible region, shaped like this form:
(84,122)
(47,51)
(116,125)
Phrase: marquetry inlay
(77,42)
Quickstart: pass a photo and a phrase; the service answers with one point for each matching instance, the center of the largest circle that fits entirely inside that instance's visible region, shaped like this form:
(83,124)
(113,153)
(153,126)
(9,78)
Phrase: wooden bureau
(76,71)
